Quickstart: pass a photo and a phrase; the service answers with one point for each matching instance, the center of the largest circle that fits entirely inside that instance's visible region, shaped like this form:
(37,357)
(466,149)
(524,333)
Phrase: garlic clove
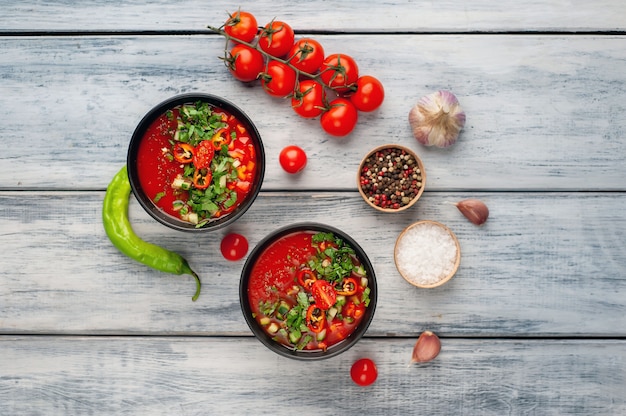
(426,348)
(437,119)
(474,210)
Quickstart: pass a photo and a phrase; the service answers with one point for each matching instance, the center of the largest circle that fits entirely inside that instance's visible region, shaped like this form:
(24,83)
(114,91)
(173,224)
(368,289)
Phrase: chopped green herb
(158,197)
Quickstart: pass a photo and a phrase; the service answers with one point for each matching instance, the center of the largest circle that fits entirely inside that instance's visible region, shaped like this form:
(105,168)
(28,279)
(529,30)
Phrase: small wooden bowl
(443,277)
(422,173)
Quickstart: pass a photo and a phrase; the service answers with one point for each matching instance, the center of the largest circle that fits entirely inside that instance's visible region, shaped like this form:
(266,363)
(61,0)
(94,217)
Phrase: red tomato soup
(196,162)
(308,290)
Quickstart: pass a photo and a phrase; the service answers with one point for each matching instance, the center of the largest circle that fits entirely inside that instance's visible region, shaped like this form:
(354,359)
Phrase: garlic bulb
(437,119)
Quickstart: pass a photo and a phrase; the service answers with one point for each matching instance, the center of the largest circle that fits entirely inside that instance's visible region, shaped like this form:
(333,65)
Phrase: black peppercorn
(390,178)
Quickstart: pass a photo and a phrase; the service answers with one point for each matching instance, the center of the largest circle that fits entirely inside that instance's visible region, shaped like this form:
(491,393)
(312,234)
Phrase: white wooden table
(534,322)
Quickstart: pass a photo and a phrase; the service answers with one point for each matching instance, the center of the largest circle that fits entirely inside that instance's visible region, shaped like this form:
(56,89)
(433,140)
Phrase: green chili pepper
(121,234)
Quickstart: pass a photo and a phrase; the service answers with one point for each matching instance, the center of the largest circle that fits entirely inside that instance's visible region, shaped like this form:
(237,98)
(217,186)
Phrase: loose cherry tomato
(369,94)
(183,152)
(324,294)
(234,246)
(339,72)
(278,80)
(245,63)
(308,100)
(307,55)
(292,159)
(242,26)
(341,117)
(276,38)
(364,372)
(203,154)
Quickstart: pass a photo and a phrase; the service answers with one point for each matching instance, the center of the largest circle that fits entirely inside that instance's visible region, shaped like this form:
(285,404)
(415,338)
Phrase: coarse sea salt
(426,253)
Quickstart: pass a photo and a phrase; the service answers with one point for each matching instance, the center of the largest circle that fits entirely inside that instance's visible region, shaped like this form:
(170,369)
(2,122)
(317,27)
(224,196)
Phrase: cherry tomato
(341,118)
(307,55)
(234,246)
(292,159)
(203,154)
(339,72)
(308,100)
(364,372)
(245,63)
(276,38)
(242,26)
(324,294)
(278,80)
(369,94)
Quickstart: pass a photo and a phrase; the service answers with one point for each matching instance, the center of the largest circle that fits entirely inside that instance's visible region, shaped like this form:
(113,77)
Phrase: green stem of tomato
(315,77)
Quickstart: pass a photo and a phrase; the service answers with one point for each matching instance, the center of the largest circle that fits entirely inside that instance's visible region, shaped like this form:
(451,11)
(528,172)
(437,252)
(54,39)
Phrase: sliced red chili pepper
(324,294)
(203,154)
(202,178)
(306,278)
(221,138)
(348,287)
(183,152)
(315,318)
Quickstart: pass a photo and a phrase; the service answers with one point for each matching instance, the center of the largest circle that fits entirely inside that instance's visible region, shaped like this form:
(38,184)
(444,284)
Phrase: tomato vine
(284,65)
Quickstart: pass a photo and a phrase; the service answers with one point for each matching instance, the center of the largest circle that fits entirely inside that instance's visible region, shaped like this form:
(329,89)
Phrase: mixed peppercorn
(390,178)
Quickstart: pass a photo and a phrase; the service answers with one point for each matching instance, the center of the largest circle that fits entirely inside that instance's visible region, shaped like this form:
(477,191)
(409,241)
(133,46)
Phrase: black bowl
(138,135)
(264,337)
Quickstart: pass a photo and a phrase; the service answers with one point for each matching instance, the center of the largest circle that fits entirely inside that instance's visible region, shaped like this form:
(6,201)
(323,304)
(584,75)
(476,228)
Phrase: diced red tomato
(243,186)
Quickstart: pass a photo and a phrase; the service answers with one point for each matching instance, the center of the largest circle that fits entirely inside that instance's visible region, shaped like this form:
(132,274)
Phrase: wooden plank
(544,112)
(342,16)
(544,264)
(176,376)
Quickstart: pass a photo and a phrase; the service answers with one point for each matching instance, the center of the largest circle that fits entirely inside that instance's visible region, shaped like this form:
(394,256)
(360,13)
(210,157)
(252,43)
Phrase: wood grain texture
(532,324)
(341,16)
(199,376)
(544,112)
(544,264)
